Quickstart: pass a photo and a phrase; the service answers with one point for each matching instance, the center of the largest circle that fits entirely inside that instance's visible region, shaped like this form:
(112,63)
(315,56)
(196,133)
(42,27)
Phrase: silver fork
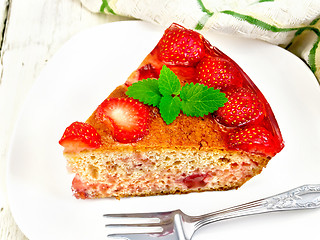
(176,225)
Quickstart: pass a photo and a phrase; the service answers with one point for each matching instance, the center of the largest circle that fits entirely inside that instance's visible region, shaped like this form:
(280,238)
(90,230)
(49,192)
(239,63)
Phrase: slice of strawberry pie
(188,119)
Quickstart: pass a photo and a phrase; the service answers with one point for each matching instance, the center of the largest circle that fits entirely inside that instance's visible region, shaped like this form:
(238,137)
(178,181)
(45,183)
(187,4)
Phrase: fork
(176,225)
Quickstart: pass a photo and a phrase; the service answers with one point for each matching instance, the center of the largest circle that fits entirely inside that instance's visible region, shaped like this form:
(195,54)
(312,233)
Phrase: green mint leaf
(194,100)
(199,100)
(146,91)
(170,108)
(169,83)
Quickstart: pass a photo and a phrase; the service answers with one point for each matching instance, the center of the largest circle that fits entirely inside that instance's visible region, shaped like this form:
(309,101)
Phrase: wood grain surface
(31,32)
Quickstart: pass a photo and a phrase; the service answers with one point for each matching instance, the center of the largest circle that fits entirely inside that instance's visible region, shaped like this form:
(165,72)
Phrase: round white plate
(83,73)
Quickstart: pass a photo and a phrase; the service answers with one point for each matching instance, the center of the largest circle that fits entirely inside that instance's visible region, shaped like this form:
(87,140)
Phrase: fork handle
(303,197)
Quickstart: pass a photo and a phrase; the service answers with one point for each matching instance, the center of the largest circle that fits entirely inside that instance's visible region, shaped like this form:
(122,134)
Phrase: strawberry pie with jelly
(188,119)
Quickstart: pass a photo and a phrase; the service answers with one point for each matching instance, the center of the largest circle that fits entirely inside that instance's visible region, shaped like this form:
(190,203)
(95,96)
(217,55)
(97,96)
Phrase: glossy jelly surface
(254,127)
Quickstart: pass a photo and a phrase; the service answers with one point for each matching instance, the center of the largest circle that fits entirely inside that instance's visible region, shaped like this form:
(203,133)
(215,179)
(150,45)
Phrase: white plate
(87,69)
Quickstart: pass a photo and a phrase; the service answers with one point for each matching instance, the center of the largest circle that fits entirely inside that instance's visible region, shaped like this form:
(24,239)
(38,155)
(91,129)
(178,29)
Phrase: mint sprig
(170,108)
(198,99)
(167,94)
(146,91)
(169,83)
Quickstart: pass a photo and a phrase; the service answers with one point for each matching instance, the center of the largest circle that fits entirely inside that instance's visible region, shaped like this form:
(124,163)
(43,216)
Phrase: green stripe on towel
(105,5)
(205,18)
(312,56)
(260,1)
(257,22)
(267,26)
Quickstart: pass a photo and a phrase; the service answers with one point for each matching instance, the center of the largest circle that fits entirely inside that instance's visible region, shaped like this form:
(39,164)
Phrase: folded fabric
(292,24)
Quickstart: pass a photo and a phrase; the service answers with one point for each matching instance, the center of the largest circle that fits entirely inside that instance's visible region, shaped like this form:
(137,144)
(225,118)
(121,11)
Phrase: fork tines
(133,225)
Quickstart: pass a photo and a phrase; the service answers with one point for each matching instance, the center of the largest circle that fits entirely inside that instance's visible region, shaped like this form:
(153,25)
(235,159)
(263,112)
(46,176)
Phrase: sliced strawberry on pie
(218,73)
(180,46)
(255,139)
(243,107)
(80,136)
(129,118)
(148,71)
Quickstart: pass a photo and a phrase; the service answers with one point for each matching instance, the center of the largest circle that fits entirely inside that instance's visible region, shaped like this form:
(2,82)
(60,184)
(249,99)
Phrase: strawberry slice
(129,118)
(80,136)
(195,180)
(243,107)
(254,139)
(180,46)
(218,73)
(148,71)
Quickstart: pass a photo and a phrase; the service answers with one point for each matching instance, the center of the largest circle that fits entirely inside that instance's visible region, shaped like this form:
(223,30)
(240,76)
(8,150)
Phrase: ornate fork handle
(304,197)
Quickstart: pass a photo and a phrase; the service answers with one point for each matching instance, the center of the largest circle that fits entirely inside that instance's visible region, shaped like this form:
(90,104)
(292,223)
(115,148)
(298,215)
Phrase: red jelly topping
(247,112)
(148,71)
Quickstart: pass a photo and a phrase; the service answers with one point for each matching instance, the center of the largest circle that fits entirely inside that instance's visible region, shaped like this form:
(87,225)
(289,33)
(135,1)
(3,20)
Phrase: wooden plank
(34,31)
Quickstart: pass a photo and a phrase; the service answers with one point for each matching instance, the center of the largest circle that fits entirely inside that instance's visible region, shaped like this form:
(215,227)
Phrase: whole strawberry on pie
(188,119)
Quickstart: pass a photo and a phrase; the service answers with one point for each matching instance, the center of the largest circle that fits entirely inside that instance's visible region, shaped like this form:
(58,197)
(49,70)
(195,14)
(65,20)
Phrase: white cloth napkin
(292,24)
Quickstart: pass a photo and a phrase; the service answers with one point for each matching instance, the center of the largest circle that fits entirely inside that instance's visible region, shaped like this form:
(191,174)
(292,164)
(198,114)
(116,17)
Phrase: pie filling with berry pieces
(188,119)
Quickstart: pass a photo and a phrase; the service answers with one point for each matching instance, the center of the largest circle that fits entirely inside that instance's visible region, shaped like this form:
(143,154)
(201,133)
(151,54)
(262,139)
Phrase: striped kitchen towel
(292,24)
